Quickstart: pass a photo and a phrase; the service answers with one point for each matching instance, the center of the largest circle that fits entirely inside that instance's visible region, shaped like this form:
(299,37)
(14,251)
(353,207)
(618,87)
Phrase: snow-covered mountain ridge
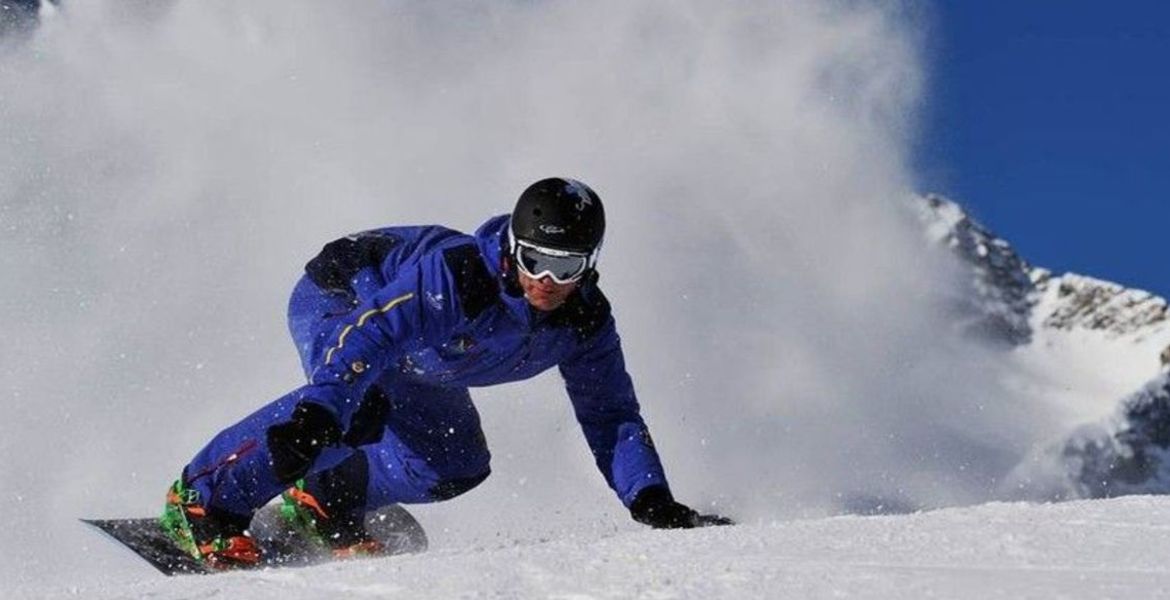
(1022,298)
(1085,345)
(1093,304)
(1126,453)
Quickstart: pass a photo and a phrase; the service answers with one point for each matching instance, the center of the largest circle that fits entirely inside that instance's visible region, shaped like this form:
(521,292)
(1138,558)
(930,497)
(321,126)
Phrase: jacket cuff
(651,479)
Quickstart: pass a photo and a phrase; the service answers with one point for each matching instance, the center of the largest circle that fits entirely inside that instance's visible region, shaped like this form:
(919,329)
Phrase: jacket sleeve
(603,399)
(420,306)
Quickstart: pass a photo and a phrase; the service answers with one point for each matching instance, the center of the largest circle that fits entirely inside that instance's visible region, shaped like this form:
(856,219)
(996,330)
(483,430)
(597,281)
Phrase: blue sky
(1050,121)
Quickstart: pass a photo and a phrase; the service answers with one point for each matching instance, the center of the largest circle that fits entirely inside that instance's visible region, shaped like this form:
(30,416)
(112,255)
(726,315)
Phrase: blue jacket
(440,307)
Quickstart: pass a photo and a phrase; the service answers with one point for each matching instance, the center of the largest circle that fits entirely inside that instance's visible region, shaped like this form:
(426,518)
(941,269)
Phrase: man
(393,325)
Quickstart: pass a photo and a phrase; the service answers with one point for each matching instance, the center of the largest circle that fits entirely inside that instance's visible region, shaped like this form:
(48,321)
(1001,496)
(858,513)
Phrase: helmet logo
(579,190)
(552,229)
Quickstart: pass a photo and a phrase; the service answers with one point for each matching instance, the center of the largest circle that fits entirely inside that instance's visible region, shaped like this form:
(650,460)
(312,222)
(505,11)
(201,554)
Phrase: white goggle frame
(515,244)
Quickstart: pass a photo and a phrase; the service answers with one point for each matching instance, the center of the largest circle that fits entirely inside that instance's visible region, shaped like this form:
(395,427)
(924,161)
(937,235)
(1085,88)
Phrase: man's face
(544,293)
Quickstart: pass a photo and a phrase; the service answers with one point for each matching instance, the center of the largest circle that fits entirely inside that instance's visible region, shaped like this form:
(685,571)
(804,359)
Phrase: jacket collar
(492,238)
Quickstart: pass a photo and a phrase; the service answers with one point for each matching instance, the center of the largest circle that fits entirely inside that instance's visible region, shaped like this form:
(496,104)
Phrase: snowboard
(280,544)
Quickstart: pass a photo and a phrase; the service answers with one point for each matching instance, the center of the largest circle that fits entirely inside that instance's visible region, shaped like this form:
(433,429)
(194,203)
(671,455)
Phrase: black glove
(655,507)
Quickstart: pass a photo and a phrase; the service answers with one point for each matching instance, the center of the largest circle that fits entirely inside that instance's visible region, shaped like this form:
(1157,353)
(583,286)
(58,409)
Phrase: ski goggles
(562,266)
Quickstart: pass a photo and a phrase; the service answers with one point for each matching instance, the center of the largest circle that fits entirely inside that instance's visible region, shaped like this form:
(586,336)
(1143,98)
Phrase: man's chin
(545,305)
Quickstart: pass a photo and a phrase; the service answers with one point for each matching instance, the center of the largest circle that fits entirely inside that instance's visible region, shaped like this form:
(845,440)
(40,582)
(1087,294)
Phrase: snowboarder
(393,325)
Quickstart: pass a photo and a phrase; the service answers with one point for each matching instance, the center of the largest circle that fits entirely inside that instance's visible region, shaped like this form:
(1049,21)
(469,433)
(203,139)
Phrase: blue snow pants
(407,442)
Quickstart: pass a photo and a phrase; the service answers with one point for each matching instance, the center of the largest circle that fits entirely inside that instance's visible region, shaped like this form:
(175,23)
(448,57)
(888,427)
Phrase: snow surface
(1087,549)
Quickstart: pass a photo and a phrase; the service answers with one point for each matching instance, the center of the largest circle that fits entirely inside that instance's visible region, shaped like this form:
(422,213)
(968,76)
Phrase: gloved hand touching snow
(656,507)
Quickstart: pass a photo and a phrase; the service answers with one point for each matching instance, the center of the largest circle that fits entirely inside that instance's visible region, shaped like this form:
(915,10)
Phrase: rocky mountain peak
(1015,298)
(1094,304)
(1002,286)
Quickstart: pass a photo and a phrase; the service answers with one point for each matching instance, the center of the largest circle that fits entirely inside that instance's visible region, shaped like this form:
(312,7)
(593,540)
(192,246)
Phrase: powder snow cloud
(165,173)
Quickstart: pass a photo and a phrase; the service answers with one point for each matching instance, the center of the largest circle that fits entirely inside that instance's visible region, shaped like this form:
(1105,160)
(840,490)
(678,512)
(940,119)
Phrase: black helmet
(559,216)
(560,213)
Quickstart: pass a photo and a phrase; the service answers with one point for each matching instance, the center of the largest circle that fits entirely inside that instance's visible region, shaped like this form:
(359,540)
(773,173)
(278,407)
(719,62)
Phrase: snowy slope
(1088,549)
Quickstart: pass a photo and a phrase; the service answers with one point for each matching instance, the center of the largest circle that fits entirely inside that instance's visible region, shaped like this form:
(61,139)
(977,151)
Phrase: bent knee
(461,475)
(456,486)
